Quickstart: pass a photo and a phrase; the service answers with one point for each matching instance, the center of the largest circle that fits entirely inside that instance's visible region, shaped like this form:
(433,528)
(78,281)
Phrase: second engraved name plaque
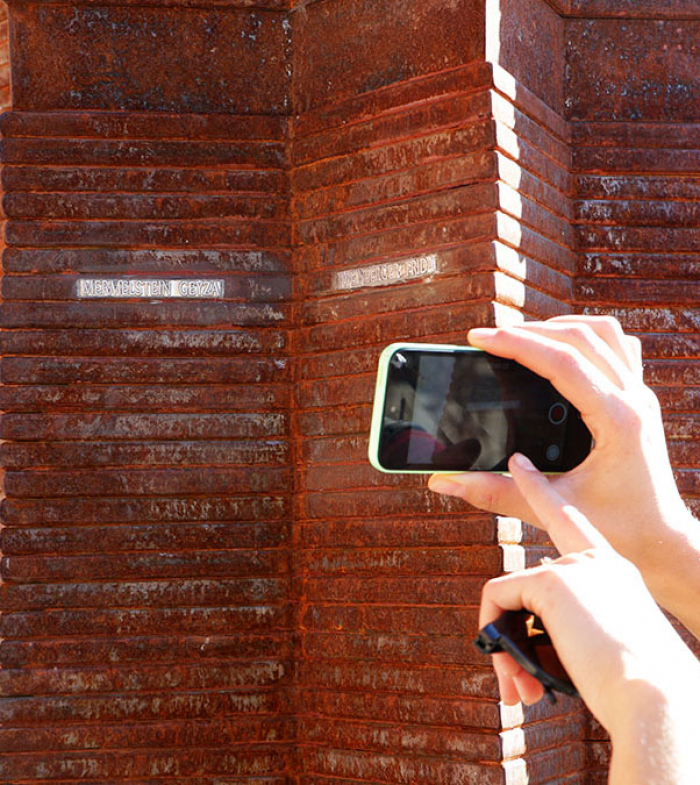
(386,273)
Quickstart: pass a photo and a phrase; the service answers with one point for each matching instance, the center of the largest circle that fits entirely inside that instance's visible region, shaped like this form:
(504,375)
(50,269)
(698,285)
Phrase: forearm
(655,738)
(672,572)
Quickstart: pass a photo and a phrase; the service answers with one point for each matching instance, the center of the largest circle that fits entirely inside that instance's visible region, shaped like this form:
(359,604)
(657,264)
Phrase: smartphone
(441,408)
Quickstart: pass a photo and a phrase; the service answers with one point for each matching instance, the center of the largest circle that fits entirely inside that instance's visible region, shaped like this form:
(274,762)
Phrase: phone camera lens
(557,413)
(398,361)
(553,452)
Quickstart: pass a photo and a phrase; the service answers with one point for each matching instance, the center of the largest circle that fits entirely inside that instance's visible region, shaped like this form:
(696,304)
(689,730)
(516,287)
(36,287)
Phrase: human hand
(626,484)
(629,665)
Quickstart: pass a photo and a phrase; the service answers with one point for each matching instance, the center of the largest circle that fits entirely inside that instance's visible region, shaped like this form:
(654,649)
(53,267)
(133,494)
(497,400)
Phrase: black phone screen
(470,411)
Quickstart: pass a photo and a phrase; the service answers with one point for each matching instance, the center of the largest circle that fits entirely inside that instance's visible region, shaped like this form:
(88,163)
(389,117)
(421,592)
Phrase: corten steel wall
(4,59)
(393,164)
(536,265)
(147,620)
(204,580)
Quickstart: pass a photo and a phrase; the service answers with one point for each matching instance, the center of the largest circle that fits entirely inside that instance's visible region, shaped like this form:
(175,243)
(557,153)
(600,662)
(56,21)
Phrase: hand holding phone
(454,409)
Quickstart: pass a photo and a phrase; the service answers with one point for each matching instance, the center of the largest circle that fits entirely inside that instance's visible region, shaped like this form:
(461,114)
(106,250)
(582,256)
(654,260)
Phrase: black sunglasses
(522,635)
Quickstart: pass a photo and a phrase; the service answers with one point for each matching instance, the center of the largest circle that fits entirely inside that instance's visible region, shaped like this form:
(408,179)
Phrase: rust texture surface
(4,59)
(188,60)
(389,685)
(146,598)
(203,579)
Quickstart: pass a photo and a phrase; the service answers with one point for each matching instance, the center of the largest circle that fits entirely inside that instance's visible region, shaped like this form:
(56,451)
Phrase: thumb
(569,528)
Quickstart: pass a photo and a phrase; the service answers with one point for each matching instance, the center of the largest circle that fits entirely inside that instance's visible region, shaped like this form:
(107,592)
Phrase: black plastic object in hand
(522,635)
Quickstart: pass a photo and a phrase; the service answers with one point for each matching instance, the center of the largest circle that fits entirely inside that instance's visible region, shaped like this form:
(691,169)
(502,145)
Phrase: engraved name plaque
(150,288)
(386,273)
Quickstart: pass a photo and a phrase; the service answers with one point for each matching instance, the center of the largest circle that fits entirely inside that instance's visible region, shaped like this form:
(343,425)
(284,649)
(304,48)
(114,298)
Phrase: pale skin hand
(626,484)
(630,666)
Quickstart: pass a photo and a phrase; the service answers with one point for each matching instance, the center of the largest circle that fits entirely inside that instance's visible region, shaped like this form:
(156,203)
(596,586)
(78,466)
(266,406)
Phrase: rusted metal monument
(217,212)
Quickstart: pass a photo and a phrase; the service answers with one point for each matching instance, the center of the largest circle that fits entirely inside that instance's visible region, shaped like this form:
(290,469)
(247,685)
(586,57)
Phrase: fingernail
(444,486)
(522,462)
(481,335)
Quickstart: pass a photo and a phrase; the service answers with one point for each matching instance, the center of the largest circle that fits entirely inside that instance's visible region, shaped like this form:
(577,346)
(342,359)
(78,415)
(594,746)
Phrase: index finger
(627,347)
(569,528)
(575,376)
